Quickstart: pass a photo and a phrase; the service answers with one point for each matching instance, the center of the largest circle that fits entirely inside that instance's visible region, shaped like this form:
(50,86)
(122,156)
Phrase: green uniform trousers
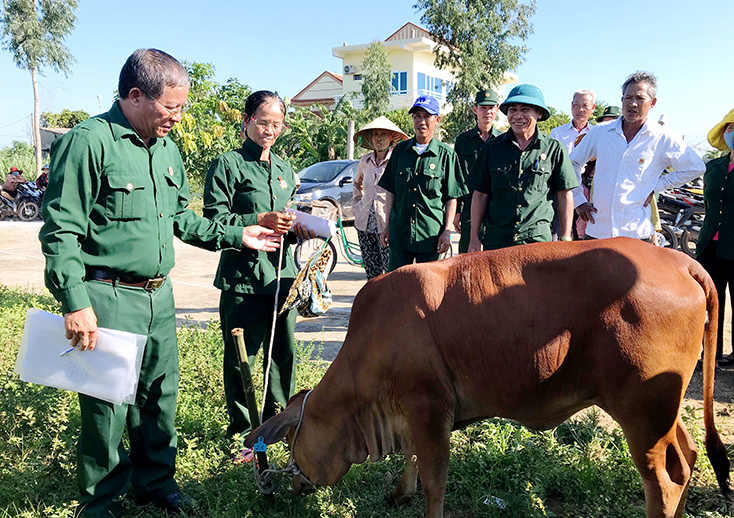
(254,314)
(400,258)
(104,469)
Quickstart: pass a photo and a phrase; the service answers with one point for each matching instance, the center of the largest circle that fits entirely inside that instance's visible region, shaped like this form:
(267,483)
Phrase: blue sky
(284,45)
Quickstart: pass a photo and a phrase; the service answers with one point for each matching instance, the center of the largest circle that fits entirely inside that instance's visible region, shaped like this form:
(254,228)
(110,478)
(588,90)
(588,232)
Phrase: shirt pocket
(172,191)
(539,177)
(125,199)
(430,184)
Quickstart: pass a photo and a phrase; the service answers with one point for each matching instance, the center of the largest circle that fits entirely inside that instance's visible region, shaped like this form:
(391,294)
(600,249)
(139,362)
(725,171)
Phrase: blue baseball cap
(428,103)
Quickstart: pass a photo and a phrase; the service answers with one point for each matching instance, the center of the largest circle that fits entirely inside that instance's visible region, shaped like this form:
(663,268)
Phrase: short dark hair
(642,77)
(257,99)
(151,70)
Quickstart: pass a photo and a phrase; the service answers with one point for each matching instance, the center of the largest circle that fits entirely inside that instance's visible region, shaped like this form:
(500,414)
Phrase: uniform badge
(432,166)
(543,156)
(170,171)
(283,185)
(641,160)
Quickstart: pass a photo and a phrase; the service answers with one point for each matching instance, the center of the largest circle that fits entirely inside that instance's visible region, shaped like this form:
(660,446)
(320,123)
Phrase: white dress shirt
(626,174)
(567,134)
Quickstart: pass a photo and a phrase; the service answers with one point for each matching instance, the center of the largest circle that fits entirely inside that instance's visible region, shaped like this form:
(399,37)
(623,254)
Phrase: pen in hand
(68,351)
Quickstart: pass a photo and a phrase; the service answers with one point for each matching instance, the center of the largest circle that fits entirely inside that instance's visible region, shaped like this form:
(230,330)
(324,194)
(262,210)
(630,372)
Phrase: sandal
(243,456)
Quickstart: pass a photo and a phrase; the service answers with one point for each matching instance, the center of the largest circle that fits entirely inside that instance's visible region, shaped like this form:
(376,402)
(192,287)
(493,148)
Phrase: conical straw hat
(362,137)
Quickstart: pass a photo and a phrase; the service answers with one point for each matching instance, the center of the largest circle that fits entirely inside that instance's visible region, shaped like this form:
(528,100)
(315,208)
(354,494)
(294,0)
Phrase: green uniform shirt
(521,186)
(238,187)
(468,146)
(422,184)
(718,196)
(113,203)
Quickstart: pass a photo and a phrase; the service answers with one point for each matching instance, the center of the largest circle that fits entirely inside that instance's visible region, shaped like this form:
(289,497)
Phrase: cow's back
(533,332)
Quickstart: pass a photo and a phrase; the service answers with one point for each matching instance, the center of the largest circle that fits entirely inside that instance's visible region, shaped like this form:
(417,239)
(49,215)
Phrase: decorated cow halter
(264,479)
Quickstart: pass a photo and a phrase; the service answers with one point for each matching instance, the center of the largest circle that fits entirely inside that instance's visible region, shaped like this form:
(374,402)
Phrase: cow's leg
(690,452)
(407,485)
(664,467)
(431,434)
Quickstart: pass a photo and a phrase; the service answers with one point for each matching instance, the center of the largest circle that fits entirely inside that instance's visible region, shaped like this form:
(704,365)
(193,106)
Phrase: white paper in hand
(321,227)
(109,372)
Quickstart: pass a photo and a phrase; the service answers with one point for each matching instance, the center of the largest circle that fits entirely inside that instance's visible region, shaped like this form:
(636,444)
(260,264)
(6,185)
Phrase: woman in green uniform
(247,186)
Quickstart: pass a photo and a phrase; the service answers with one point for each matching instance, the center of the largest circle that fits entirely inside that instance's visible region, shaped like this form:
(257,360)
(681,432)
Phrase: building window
(400,82)
(357,77)
(434,86)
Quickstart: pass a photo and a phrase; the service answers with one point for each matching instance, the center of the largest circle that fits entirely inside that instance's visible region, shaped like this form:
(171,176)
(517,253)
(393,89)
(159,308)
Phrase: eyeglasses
(171,111)
(265,124)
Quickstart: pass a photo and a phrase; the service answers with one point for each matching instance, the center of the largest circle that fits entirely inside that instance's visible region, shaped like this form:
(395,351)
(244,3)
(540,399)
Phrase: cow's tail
(715,449)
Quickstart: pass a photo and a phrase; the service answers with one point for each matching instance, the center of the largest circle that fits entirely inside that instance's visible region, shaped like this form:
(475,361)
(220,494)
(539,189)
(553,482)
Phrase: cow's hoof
(397,500)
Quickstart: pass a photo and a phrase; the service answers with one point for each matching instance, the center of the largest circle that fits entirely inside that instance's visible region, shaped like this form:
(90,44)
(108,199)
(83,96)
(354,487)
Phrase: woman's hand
(385,238)
(281,222)
(302,232)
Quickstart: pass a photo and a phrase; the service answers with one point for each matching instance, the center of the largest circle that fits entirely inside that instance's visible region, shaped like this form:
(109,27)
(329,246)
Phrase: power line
(16,122)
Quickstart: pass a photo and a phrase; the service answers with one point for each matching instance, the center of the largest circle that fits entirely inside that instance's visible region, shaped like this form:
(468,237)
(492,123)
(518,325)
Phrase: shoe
(177,502)
(243,456)
(726,361)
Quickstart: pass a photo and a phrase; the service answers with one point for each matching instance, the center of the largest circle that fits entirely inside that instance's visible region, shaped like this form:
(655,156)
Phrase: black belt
(125,280)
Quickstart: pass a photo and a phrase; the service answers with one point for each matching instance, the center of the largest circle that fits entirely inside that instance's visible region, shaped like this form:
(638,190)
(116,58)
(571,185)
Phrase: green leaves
(376,80)
(34,32)
(478,39)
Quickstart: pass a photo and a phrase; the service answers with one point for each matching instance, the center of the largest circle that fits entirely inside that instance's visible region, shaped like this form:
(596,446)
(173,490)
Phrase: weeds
(497,468)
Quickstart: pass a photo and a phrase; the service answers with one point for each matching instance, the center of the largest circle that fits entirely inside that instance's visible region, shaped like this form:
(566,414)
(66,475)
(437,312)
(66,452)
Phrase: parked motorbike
(26,204)
(683,210)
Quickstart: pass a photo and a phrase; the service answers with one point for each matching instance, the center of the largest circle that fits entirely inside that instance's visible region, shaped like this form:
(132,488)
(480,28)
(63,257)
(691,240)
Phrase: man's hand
(281,222)
(444,241)
(649,199)
(303,232)
(475,245)
(81,328)
(586,211)
(457,222)
(260,238)
(385,237)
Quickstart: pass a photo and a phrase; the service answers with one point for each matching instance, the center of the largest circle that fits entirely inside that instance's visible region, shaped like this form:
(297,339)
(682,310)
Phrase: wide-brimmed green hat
(486,98)
(610,111)
(362,137)
(526,94)
(716,135)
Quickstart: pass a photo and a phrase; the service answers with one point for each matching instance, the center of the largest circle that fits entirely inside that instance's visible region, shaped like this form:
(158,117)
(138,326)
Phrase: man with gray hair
(117,195)
(631,153)
(582,107)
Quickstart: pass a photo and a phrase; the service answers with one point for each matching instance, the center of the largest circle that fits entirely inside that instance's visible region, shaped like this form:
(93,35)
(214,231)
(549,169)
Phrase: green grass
(580,469)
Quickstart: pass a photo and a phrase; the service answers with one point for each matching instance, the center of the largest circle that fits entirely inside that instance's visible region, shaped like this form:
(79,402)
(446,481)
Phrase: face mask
(729,139)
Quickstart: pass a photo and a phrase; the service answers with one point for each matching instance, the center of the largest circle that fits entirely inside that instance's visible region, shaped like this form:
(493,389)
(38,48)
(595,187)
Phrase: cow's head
(324,448)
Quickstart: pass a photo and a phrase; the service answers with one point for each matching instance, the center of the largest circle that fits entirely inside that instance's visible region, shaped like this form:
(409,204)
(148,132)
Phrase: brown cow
(532,333)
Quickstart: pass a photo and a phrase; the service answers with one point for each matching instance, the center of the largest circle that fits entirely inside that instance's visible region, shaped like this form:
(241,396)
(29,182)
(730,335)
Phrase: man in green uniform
(117,196)
(518,176)
(468,146)
(422,179)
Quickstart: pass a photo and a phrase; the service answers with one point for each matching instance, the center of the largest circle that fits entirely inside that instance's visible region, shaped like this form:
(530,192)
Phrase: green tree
(376,80)
(556,119)
(478,45)
(212,124)
(34,32)
(20,155)
(403,120)
(65,119)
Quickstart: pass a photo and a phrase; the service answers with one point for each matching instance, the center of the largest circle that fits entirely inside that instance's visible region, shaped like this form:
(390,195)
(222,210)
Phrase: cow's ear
(275,428)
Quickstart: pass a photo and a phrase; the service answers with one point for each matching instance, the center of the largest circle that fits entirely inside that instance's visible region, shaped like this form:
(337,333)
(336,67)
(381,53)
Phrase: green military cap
(610,111)
(487,98)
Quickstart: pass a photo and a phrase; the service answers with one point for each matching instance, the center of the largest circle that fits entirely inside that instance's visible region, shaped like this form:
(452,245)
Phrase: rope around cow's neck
(272,329)
(263,479)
